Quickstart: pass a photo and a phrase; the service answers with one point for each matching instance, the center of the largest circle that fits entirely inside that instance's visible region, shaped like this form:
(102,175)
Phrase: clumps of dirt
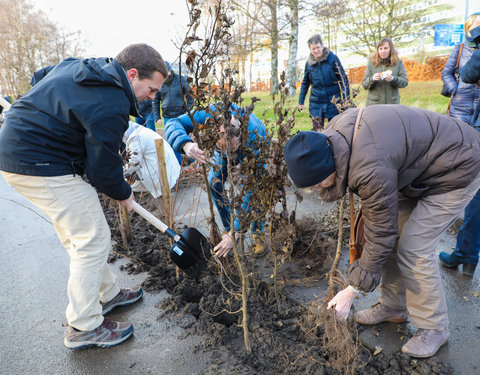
(286,338)
(312,248)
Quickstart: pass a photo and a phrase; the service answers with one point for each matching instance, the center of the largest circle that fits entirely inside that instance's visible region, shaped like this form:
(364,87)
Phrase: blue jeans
(216,180)
(318,113)
(149,122)
(468,238)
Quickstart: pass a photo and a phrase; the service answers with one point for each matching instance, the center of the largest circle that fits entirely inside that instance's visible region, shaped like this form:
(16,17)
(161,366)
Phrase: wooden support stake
(165,186)
(125,229)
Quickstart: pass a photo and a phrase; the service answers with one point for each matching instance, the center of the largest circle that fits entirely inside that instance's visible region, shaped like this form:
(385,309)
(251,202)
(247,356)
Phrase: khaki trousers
(410,276)
(76,213)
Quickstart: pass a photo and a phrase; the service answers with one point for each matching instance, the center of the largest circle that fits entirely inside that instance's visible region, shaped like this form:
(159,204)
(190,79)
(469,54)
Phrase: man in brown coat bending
(415,171)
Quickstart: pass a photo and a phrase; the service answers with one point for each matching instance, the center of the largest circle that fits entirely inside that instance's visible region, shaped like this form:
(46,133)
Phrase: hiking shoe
(123,298)
(260,246)
(109,333)
(379,313)
(426,342)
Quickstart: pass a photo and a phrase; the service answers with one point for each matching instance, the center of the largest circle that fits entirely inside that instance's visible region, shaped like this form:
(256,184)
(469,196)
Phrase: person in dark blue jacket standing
(324,72)
(174,98)
(146,117)
(177,132)
(71,123)
(464,95)
(468,238)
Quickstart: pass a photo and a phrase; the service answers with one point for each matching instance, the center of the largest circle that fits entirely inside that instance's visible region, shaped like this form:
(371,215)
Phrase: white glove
(343,302)
(192,150)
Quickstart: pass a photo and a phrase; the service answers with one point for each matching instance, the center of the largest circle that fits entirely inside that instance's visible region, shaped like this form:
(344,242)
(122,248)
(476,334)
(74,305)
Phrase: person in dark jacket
(146,117)
(177,132)
(71,123)
(414,171)
(385,75)
(468,238)
(464,95)
(174,98)
(325,74)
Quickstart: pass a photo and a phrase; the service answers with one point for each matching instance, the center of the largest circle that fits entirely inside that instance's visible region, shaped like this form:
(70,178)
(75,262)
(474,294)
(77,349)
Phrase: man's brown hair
(144,58)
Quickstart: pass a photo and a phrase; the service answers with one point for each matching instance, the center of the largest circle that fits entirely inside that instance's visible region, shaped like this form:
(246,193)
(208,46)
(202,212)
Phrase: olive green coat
(383,92)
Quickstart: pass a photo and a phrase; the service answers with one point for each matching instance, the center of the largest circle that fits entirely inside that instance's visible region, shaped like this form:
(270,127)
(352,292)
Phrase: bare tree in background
(244,37)
(28,42)
(292,47)
(366,22)
(270,31)
(329,14)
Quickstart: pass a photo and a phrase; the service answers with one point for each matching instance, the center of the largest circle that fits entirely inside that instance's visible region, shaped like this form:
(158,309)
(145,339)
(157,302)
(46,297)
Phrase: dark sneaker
(109,333)
(123,298)
(379,313)
(426,342)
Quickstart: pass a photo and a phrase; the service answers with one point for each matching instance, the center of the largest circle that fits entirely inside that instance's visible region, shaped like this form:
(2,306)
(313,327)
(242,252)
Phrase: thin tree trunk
(274,48)
(292,48)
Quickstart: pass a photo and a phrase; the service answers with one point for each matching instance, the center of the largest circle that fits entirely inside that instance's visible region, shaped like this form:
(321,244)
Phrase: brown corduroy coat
(397,149)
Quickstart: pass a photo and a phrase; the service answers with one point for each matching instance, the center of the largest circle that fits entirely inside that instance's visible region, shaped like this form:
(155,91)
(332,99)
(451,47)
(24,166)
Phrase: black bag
(445,91)
(444,88)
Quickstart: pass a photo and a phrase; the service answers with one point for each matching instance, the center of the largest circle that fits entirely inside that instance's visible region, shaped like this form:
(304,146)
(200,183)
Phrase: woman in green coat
(385,74)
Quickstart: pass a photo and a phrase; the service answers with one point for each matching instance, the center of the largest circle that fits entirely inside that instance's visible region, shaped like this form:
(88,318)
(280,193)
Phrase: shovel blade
(198,243)
(192,249)
(183,256)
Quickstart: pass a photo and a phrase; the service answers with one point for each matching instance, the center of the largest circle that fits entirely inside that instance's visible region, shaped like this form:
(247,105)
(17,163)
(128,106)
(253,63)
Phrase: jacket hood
(312,60)
(105,71)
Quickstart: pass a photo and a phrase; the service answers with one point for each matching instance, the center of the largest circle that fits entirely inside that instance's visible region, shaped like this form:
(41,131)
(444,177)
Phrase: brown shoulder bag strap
(456,67)
(352,244)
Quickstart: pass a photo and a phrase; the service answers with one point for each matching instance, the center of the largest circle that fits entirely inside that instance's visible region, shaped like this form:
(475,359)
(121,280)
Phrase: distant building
(420,46)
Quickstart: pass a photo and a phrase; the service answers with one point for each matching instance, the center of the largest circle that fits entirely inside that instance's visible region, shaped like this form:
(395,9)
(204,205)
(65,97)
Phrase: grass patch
(417,94)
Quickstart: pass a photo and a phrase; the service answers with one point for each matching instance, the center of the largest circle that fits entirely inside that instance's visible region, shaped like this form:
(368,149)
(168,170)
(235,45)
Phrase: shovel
(190,248)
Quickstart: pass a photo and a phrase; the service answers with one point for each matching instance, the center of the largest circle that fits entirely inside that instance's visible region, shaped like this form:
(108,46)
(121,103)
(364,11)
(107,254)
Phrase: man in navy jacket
(69,124)
(175,97)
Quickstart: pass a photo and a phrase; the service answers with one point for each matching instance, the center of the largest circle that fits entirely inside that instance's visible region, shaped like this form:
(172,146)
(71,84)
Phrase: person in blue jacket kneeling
(177,132)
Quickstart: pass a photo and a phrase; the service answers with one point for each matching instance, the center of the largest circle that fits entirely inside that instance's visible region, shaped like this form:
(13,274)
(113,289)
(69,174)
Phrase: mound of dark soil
(285,337)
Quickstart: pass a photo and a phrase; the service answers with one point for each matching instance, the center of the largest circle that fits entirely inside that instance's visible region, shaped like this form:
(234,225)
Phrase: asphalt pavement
(34,273)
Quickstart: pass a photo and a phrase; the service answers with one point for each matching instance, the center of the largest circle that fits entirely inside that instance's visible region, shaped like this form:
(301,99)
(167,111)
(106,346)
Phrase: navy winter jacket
(465,95)
(70,122)
(170,98)
(327,79)
(145,108)
(470,73)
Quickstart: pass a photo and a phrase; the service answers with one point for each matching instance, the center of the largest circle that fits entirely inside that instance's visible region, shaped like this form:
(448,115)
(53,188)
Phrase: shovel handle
(149,217)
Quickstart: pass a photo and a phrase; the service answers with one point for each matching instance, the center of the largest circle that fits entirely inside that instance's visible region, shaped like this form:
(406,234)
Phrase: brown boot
(426,342)
(260,246)
(379,313)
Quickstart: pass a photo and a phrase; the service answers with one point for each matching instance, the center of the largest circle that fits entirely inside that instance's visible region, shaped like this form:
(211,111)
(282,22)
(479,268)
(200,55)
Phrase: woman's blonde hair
(470,20)
(392,59)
